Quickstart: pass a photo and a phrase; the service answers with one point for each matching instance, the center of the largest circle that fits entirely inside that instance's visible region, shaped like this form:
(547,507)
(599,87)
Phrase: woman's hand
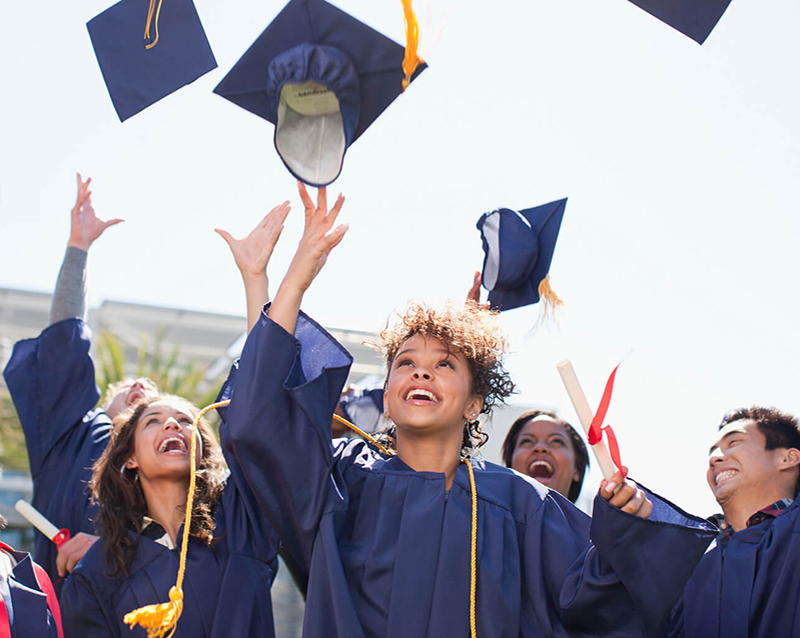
(252,253)
(315,245)
(629,498)
(85,226)
(317,241)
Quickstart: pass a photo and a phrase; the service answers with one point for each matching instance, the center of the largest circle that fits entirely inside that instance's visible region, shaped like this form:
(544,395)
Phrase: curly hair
(469,329)
(119,495)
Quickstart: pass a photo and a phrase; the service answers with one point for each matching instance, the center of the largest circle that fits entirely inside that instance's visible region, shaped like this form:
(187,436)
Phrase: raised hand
(252,253)
(318,240)
(474,293)
(85,226)
(315,245)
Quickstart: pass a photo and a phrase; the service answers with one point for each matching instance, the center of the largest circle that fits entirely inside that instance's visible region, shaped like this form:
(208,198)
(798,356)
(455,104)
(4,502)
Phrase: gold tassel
(161,618)
(550,301)
(411,60)
(150,12)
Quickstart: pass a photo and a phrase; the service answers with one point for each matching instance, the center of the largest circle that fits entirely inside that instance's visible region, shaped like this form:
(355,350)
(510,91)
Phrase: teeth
(544,463)
(168,440)
(418,392)
(725,475)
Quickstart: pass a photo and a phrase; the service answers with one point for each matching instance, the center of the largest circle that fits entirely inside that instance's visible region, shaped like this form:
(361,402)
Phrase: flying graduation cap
(694,18)
(321,77)
(146,53)
(518,248)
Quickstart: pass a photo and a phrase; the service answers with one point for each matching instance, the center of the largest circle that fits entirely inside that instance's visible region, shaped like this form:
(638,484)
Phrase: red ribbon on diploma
(597,428)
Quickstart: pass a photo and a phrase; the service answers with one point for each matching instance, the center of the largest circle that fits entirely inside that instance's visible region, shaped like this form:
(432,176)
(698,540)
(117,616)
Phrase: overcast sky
(678,247)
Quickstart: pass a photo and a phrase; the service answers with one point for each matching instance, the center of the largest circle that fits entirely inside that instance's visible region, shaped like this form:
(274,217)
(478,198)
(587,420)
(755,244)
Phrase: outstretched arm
(69,297)
(252,254)
(315,245)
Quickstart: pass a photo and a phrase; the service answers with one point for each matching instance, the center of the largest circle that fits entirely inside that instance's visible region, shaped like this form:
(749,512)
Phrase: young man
(52,381)
(747,584)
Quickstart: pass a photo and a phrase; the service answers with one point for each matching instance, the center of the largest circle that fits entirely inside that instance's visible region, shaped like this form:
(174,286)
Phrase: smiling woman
(428,540)
(548,449)
(141,484)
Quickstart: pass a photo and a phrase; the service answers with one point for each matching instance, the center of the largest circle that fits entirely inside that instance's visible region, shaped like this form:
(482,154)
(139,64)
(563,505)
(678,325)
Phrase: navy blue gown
(753,590)
(26,605)
(387,549)
(51,379)
(226,587)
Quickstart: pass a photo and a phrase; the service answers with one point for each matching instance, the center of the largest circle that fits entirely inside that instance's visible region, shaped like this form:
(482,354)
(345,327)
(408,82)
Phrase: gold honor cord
(161,618)
(150,12)
(473,564)
(411,60)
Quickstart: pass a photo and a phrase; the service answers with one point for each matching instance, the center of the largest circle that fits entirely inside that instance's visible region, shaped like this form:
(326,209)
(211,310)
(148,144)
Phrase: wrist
(80,245)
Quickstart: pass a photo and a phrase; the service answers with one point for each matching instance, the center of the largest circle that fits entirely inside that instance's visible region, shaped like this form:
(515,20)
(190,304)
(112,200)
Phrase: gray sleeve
(69,297)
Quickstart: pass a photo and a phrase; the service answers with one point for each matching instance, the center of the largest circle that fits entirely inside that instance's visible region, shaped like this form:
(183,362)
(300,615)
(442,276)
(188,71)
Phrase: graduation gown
(752,590)
(387,548)
(226,587)
(51,379)
(25,603)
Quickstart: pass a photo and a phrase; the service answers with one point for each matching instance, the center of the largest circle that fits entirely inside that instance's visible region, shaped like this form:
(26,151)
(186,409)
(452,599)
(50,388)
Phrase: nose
(422,373)
(715,457)
(172,424)
(540,446)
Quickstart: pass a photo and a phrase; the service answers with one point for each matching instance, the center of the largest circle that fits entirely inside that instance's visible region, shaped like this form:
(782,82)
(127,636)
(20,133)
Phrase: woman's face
(544,451)
(162,441)
(429,387)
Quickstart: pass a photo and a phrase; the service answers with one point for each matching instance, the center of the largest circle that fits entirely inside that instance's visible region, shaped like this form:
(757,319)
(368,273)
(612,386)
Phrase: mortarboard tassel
(161,620)
(411,60)
(155,24)
(551,302)
(473,562)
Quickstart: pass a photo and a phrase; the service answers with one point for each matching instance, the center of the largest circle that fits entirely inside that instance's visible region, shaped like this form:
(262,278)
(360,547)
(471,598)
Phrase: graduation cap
(321,77)
(518,248)
(147,53)
(694,18)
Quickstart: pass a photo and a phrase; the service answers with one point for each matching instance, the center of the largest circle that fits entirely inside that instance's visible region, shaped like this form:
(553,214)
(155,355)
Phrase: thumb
(226,236)
(114,222)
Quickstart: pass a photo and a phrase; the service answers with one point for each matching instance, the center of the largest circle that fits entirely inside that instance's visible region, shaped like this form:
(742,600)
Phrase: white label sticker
(310,98)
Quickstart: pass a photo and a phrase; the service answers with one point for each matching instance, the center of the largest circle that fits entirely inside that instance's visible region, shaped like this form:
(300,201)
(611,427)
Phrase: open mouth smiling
(172,445)
(724,476)
(541,469)
(421,394)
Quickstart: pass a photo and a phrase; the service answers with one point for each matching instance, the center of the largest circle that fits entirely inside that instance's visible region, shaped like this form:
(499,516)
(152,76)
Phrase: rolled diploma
(585,415)
(36,519)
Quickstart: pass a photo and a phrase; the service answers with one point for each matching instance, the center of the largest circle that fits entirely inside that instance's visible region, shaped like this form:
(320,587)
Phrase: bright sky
(678,246)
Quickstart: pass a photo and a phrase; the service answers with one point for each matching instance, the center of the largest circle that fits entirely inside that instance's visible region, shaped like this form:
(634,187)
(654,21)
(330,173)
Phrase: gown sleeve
(283,394)
(82,614)
(52,382)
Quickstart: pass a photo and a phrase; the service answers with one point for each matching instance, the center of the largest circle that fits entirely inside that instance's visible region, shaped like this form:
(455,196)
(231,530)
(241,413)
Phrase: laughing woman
(394,543)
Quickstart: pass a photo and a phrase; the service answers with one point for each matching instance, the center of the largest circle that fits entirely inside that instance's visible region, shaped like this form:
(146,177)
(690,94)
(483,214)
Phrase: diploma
(585,416)
(35,518)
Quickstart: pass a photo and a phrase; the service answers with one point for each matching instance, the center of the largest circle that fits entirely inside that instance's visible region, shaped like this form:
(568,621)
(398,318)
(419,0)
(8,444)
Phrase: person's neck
(166,503)
(738,510)
(430,452)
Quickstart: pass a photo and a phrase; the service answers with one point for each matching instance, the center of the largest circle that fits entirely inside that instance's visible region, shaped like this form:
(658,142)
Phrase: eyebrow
(449,353)
(719,441)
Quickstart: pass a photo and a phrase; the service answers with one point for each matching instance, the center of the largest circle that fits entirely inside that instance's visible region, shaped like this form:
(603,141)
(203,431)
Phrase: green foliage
(13,452)
(163,368)
(185,380)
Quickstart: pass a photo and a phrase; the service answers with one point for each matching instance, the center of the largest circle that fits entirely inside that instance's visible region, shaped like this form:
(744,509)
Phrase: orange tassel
(550,301)
(411,60)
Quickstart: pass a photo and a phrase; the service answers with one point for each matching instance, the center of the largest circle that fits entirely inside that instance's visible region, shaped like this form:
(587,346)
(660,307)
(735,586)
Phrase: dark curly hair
(578,446)
(119,495)
(469,329)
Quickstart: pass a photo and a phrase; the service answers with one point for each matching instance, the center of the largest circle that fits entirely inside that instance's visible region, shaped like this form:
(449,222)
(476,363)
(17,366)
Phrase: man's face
(739,463)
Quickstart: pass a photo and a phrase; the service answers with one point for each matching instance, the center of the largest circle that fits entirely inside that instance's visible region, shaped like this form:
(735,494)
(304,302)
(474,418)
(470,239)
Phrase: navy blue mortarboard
(518,248)
(140,69)
(322,77)
(694,18)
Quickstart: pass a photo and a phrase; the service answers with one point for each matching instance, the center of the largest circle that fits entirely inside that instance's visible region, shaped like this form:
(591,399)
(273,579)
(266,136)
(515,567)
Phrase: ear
(131,463)
(576,476)
(789,459)
(474,407)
